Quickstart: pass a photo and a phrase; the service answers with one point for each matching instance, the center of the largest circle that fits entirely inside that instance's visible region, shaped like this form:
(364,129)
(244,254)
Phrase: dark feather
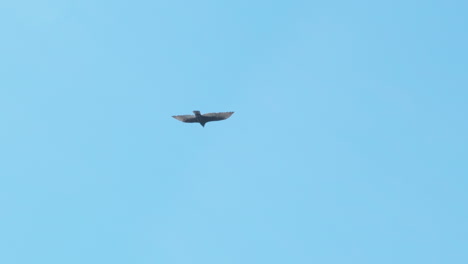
(186,118)
(216,116)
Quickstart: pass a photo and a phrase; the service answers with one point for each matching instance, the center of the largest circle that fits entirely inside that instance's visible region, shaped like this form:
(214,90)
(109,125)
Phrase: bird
(203,119)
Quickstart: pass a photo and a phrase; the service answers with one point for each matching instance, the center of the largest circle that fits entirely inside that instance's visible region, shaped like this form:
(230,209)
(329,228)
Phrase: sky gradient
(348,143)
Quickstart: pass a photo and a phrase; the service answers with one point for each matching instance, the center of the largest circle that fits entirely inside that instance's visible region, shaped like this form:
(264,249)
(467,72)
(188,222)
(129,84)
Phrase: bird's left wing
(217,116)
(186,118)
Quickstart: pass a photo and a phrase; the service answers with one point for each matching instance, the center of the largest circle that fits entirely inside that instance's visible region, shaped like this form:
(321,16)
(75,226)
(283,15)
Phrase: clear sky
(348,143)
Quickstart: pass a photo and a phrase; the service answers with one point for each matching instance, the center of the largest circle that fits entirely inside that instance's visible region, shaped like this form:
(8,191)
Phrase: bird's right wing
(186,118)
(217,116)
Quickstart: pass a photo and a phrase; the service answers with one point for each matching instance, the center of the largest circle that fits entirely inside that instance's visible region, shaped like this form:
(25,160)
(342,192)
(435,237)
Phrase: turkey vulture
(202,119)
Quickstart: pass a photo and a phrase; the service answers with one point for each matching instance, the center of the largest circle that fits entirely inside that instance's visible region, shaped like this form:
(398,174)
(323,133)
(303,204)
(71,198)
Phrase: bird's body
(203,119)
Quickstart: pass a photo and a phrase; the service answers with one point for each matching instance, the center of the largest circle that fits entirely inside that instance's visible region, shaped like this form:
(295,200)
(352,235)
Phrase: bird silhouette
(203,119)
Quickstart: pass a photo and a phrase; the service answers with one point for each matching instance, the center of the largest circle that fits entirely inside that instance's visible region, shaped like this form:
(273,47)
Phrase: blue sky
(348,145)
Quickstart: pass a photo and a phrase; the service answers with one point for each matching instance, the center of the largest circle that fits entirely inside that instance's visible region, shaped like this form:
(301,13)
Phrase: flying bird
(203,119)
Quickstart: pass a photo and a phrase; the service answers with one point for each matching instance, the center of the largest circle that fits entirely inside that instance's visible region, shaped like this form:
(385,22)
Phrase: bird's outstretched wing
(186,118)
(217,116)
